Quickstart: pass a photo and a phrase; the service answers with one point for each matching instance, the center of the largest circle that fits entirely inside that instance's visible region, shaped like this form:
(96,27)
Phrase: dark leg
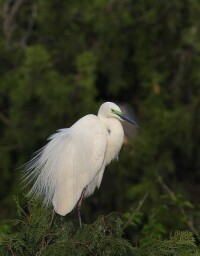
(79,205)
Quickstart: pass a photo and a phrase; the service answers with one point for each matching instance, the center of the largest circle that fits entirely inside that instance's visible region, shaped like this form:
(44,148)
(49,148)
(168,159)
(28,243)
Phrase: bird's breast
(115,137)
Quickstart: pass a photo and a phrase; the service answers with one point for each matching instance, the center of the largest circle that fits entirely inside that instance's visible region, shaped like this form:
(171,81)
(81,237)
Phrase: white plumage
(75,158)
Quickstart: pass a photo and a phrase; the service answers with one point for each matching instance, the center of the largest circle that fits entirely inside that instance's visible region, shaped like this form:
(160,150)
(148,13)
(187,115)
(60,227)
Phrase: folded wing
(70,161)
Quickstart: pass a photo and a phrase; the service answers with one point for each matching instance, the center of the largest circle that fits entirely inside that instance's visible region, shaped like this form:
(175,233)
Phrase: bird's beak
(125,118)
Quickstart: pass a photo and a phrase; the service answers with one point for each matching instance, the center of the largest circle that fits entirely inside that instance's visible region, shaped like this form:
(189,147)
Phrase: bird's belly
(111,154)
(114,143)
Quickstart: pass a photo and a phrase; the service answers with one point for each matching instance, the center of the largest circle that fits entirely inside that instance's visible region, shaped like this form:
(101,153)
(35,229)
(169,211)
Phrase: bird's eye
(116,112)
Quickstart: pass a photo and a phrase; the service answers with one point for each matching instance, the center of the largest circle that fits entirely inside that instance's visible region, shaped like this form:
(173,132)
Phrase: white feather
(75,158)
(68,163)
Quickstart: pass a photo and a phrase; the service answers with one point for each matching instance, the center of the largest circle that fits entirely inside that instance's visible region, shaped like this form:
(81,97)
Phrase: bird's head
(111,110)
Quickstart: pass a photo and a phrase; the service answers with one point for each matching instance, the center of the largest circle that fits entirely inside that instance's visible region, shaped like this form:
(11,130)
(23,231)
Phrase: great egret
(71,165)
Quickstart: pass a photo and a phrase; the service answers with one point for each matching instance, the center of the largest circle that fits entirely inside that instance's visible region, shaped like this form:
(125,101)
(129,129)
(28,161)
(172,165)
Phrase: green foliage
(39,232)
(181,243)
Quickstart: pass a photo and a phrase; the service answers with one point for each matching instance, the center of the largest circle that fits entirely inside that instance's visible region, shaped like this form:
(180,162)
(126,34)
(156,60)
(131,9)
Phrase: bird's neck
(115,137)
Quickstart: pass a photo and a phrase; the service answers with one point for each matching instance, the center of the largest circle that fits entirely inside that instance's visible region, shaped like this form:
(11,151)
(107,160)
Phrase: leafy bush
(39,232)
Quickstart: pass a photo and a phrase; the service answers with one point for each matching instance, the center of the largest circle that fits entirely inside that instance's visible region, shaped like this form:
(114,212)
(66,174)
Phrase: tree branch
(174,198)
(141,202)
(9,14)
(4,119)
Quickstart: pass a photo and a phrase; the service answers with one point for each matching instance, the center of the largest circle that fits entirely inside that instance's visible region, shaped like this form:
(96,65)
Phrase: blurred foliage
(61,60)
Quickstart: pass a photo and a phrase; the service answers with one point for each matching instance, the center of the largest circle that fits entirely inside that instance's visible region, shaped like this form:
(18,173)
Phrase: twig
(141,202)
(52,217)
(166,188)
(11,250)
(9,15)
(81,243)
(182,210)
(43,244)
(4,119)
(30,27)
(10,11)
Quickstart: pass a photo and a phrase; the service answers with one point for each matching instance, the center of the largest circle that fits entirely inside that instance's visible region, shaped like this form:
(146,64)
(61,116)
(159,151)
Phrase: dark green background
(59,60)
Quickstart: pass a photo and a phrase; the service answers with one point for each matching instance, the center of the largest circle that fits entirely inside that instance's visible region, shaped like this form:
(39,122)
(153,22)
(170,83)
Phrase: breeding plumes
(71,165)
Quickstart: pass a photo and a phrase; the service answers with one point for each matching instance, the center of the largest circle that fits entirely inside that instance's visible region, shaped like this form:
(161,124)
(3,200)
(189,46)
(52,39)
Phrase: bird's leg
(79,205)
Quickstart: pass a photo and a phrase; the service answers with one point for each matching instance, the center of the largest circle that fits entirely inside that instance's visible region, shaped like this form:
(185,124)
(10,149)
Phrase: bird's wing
(70,161)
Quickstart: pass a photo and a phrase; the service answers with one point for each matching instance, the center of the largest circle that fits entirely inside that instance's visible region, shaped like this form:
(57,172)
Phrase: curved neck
(115,137)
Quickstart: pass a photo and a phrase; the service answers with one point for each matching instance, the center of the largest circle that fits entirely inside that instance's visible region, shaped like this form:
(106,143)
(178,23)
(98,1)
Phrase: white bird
(71,165)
